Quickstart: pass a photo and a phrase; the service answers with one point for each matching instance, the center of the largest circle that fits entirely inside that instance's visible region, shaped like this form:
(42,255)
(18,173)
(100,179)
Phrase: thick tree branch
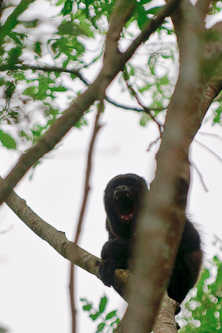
(61,244)
(151,27)
(162,217)
(83,259)
(203,7)
(114,62)
(165,319)
(52,236)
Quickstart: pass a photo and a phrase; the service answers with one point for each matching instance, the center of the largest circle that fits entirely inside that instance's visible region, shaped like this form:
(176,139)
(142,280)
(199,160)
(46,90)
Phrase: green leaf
(102,304)
(30,91)
(217,117)
(14,36)
(37,48)
(7,140)
(154,10)
(111,315)
(60,2)
(116,322)
(87,307)
(100,327)
(14,55)
(141,16)
(94,316)
(9,89)
(59,89)
(67,9)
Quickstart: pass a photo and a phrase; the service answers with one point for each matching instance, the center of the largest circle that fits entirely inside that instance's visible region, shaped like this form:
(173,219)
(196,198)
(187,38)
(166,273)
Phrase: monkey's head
(122,199)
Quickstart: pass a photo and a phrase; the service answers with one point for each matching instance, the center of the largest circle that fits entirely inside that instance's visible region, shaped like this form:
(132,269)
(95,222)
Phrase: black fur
(122,201)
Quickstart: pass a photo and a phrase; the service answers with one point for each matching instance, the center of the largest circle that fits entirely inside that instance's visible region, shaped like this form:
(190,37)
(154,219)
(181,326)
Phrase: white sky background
(34,295)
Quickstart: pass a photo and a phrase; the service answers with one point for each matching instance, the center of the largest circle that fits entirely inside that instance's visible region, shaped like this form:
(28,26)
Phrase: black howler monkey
(122,199)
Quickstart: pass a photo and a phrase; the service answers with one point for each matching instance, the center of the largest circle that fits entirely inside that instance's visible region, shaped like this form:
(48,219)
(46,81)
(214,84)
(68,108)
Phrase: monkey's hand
(115,254)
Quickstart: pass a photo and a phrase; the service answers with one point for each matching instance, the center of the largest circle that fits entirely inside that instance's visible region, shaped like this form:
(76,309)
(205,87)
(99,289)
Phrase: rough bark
(162,217)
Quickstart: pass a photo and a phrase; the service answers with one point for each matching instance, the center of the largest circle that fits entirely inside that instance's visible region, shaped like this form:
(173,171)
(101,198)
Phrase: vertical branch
(161,219)
(82,211)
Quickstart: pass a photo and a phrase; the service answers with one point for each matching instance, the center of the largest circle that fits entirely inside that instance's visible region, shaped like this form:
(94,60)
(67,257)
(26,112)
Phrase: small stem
(82,212)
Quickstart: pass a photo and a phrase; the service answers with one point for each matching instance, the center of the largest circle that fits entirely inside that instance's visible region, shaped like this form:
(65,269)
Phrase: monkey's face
(125,203)
(122,200)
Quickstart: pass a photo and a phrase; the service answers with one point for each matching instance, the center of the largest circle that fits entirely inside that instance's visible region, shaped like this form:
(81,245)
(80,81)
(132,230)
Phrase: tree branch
(80,257)
(52,236)
(161,219)
(25,67)
(165,319)
(57,239)
(151,27)
(82,211)
(114,62)
(78,74)
(203,7)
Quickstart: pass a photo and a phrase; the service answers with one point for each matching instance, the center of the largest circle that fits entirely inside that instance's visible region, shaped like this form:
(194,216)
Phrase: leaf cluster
(107,322)
(202,312)
(44,56)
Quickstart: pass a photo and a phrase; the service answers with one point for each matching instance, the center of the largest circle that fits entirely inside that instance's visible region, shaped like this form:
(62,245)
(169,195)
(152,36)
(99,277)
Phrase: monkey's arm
(115,254)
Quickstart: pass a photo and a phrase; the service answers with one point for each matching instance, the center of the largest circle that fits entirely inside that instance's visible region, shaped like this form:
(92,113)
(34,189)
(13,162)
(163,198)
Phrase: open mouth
(125,206)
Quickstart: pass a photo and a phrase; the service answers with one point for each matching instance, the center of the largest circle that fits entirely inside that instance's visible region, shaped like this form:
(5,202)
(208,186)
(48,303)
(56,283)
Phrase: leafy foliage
(217,113)
(215,7)
(45,51)
(43,57)
(202,312)
(106,321)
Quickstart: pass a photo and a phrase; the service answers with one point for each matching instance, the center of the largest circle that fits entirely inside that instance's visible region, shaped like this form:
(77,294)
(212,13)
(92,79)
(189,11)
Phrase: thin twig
(208,149)
(211,134)
(126,107)
(82,212)
(96,129)
(199,174)
(25,67)
(6,230)
(76,72)
(153,143)
(146,109)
